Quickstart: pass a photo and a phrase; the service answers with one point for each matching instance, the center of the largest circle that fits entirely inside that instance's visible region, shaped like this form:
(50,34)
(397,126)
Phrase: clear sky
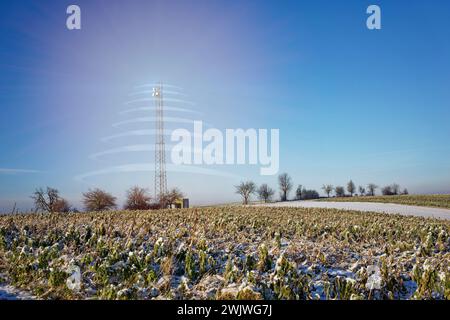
(350,103)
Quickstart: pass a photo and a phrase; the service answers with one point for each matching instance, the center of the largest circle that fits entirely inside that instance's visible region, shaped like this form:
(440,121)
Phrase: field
(438,201)
(226,253)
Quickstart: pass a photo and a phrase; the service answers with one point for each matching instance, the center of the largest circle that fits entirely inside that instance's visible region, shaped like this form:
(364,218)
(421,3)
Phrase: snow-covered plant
(344,288)
(158,248)
(427,280)
(264,263)
(189,265)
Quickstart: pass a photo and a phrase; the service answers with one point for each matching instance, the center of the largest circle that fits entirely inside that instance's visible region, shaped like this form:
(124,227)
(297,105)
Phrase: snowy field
(225,253)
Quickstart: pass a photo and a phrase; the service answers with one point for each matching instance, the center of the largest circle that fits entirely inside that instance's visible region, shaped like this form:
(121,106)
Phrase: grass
(437,201)
(226,253)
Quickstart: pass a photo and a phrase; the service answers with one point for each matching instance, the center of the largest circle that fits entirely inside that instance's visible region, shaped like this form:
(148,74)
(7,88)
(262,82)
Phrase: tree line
(265,193)
(49,200)
(369,190)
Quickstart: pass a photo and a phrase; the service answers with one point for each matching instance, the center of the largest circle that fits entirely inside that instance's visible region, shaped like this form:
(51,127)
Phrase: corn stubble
(226,253)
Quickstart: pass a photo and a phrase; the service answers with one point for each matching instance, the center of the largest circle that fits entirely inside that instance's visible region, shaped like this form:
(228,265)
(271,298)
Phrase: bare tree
(371,187)
(387,191)
(98,200)
(265,193)
(362,191)
(285,182)
(395,189)
(62,205)
(246,189)
(137,199)
(46,200)
(405,191)
(172,196)
(299,192)
(13,211)
(327,188)
(340,191)
(351,188)
(310,194)
(391,190)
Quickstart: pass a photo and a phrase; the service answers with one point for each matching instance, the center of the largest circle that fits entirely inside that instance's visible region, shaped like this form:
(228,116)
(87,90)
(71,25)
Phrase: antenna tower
(160,147)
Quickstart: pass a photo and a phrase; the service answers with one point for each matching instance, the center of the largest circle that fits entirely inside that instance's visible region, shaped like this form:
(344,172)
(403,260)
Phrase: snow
(8,292)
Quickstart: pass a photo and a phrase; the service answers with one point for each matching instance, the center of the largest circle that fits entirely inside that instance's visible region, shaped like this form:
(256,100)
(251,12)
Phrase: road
(370,207)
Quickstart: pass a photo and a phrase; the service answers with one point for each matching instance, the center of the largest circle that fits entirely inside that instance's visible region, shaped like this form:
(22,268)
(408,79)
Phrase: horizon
(349,103)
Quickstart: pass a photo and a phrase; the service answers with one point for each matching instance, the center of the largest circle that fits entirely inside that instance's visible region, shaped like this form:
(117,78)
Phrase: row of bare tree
(49,200)
(339,191)
(266,193)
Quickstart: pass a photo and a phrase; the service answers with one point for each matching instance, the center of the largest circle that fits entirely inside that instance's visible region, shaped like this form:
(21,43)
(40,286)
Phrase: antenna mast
(160,147)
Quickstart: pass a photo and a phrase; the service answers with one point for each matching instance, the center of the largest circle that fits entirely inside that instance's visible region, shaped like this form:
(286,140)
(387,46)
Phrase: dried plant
(227,253)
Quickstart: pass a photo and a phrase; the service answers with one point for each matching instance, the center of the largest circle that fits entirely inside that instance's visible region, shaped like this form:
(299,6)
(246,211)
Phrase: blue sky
(350,103)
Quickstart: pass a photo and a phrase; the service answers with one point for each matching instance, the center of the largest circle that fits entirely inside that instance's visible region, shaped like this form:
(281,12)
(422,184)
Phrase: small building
(182,203)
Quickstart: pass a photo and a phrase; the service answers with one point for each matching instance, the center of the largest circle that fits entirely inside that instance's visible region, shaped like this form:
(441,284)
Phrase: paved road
(370,207)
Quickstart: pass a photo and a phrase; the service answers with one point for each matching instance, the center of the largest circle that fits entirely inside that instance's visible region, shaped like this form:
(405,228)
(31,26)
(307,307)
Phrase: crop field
(438,201)
(226,253)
